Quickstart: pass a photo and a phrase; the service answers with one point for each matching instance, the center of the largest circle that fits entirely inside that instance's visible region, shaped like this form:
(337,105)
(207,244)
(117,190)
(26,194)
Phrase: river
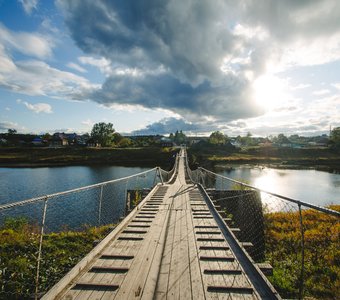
(24,183)
(316,187)
(312,186)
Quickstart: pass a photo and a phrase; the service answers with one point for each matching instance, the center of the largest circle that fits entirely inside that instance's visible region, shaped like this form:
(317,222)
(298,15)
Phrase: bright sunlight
(269,92)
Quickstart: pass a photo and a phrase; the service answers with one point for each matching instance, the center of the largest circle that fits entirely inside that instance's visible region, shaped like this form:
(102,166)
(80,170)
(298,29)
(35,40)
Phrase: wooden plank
(184,265)
(173,284)
(152,279)
(197,287)
(119,259)
(134,281)
(64,284)
(163,279)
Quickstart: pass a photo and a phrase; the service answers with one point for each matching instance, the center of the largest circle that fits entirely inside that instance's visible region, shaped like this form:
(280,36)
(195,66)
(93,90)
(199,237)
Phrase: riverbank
(284,158)
(56,157)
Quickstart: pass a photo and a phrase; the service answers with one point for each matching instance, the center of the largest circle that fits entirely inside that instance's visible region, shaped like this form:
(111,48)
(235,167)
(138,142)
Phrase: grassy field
(86,156)
(19,244)
(322,253)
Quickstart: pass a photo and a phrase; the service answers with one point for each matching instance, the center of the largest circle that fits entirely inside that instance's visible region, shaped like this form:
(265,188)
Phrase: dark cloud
(196,58)
(165,91)
(168,125)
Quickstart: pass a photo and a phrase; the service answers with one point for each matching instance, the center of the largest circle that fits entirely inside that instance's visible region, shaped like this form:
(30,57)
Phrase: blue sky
(267,67)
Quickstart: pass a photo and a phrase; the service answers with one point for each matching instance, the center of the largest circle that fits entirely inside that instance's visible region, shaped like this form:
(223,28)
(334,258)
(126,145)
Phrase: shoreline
(75,164)
(64,157)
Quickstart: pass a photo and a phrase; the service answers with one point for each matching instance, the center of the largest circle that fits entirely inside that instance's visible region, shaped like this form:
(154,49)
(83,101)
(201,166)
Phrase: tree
(103,133)
(179,137)
(335,137)
(125,142)
(282,139)
(217,138)
(11,131)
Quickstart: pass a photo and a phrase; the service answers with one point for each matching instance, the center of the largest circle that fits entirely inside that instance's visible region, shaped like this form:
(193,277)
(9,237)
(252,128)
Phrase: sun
(269,92)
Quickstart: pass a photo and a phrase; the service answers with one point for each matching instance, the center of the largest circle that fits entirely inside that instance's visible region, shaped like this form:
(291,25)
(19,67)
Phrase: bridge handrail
(45,197)
(174,170)
(298,202)
(187,167)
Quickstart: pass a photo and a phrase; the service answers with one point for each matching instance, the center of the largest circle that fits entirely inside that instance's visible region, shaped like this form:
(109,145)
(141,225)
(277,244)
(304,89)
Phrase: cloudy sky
(155,66)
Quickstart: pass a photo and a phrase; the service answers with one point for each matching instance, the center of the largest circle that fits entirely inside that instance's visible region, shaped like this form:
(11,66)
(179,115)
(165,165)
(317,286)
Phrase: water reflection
(94,206)
(316,187)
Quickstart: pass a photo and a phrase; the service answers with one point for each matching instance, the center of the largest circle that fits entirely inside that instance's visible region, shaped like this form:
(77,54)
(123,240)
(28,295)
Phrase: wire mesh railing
(299,240)
(42,238)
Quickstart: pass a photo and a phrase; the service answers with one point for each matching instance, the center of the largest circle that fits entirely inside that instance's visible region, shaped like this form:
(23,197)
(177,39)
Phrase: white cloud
(103,64)
(29,5)
(32,44)
(76,67)
(38,107)
(300,86)
(5,125)
(321,92)
(88,123)
(33,77)
(336,85)
(304,52)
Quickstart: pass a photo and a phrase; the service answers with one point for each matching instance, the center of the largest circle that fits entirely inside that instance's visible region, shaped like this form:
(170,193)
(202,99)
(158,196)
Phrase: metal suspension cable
(319,208)
(32,200)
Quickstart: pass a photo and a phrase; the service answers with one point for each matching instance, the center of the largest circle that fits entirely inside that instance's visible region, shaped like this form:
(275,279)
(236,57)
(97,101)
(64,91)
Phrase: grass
(322,253)
(19,243)
(319,158)
(151,156)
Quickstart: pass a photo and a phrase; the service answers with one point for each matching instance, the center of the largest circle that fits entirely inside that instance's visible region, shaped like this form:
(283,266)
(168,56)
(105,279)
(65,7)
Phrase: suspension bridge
(189,238)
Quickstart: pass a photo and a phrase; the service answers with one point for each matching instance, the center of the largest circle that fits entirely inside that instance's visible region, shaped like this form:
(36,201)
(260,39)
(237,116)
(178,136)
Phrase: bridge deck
(170,248)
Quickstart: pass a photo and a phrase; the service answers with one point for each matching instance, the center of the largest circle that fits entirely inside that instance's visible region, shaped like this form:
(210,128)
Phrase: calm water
(23,183)
(316,187)
(312,186)
(75,210)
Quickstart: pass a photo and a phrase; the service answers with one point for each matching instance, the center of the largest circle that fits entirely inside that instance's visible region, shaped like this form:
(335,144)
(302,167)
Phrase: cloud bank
(196,58)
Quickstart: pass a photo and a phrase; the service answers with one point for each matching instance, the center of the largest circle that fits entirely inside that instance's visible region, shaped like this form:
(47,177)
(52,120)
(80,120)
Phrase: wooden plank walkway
(170,247)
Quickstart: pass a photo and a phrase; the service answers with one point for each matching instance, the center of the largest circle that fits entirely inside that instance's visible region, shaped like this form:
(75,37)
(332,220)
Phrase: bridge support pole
(301,286)
(160,175)
(40,249)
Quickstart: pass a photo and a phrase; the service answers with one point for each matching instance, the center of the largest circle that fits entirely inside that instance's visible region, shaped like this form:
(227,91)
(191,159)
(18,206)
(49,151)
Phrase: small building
(37,141)
(166,142)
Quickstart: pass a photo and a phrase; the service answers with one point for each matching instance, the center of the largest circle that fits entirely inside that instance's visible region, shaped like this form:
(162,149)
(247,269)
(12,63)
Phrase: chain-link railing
(169,176)
(42,238)
(299,240)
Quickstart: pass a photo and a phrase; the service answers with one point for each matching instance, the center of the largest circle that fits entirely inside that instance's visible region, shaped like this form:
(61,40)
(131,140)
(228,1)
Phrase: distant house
(59,140)
(81,140)
(71,138)
(166,142)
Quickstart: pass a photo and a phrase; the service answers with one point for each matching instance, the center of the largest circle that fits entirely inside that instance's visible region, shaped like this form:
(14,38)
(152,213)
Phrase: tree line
(105,135)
